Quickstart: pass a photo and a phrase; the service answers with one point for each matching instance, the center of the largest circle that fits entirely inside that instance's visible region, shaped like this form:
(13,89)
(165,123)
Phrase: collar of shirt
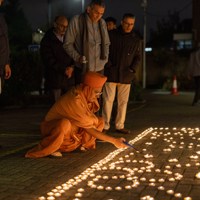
(59,37)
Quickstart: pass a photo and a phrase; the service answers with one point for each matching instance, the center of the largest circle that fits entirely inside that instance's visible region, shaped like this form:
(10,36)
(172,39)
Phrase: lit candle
(100,187)
(143,179)
(78,194)
(161,188)
(170,191)
(198,175)
(178,195)
(108,188)
(118,188)
(187,198)
(171,179)
(50,193)
(42,198)
(128,187)
(57,194)
(62,191)
(50,198)
(152,180)
(80,190)
(161,180)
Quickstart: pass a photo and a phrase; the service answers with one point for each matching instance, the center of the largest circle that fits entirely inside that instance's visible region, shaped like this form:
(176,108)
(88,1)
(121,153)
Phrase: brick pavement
(127,176)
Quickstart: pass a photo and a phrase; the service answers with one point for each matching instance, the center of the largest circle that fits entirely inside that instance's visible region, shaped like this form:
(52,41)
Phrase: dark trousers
(197,89)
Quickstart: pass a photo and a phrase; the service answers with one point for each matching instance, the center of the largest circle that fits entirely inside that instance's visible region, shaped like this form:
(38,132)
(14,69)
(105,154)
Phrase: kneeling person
(71,123)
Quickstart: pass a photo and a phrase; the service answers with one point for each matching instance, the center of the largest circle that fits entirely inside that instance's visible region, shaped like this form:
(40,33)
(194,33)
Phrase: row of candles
(134,175)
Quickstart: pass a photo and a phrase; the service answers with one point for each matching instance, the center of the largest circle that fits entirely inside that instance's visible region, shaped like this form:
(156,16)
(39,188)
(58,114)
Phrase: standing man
(124,57)
(58,65)
(5,70)
(87,40)
(194,71)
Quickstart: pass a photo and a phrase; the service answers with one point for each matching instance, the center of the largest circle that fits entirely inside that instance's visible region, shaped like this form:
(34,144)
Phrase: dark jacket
(124,56)
(55,60)
(4,44)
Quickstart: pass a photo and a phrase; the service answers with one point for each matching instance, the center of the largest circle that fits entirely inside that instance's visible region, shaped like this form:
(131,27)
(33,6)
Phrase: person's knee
(64,125)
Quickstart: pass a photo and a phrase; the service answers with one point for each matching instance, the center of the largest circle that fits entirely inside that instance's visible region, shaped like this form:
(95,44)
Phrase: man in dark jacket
(58,65)
(5,70)
(123,59)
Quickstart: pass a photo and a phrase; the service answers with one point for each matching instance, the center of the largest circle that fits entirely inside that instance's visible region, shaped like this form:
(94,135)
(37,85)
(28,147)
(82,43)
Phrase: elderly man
(58,65)
(71,123)
(87,40)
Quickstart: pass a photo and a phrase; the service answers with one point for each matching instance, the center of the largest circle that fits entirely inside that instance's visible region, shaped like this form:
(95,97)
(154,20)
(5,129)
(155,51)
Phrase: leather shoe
(123,131)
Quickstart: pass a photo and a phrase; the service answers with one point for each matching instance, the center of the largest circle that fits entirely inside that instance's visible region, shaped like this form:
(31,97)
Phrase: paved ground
(165,131)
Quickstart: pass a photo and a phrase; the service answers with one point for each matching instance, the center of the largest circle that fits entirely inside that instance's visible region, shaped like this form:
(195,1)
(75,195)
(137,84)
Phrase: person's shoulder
(49,35)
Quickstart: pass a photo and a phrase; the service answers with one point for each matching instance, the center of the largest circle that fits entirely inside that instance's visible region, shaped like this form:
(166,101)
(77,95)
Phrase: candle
(42,198)
(50,198)
(100,187)
(170,191)
(78,194)
(57,194)
(128,187)
(80,190)
(108,188)
(178,195)
(198,175)
(161,188)
(187,198)
(118,188)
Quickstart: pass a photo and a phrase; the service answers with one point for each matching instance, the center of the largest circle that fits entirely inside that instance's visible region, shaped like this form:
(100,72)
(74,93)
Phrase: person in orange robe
(71,123)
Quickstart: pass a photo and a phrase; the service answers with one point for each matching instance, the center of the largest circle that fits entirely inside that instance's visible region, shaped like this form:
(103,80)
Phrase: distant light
(148,49)
(39,31)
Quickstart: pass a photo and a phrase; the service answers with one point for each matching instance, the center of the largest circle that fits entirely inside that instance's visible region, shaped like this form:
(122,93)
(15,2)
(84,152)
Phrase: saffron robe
(63,128)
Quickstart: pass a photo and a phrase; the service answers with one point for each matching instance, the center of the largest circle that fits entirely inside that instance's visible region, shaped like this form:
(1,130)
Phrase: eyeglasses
(98,93)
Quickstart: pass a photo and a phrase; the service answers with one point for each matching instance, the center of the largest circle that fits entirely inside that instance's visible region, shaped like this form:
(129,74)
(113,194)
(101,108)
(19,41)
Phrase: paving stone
(27,179)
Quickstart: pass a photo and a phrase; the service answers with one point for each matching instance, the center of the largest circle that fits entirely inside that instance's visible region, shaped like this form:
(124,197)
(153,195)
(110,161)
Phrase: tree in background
(20,33)
(26,65)
(163,35)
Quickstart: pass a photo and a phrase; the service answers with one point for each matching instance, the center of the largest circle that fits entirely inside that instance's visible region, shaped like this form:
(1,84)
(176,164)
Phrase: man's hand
(69,71)
(7,71)
(82,60)
(119,143)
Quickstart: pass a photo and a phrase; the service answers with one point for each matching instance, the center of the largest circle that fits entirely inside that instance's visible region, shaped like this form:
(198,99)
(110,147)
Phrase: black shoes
(123,131)
(196,103)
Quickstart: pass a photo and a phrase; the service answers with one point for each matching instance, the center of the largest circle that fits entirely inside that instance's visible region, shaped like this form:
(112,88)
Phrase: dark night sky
(37,13)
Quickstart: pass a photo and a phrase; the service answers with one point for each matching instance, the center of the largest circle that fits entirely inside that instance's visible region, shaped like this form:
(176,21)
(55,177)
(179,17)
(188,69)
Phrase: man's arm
(70,39)
(118,142)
